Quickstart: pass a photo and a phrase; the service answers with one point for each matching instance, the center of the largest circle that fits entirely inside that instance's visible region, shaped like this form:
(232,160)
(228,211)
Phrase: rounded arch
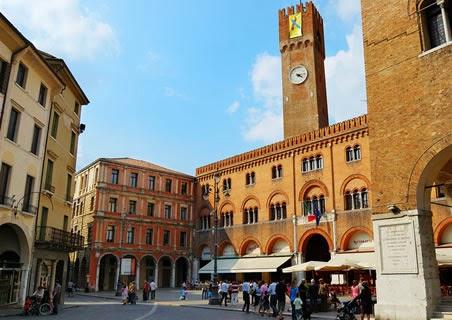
(440,229)
(224,244)
(246,242)
(225,204)
(312,183)
(17,239)
(275,194)
(271,242)
(106,254)
(200,248)
(163,257)
(353,177)
(308,235)
(205,210)
(349,233)
(250,199)
(146,256)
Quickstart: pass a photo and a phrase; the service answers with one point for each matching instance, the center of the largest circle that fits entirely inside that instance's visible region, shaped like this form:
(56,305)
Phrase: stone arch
(246,242)
(275,194)
(107,272)
(426,169)
(165,265)
(17,241)
(310,184)
(357,176)
(308,234)
(271,242)
(349,233)
(225,204)
(224,244)
(440,229)
(249,200)
(182,268)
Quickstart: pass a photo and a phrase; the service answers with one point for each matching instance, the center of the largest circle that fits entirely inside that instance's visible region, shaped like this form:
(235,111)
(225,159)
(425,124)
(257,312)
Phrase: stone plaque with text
(398,248)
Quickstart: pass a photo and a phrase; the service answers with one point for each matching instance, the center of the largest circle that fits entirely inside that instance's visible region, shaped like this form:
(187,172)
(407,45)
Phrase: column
(97,274)
(300,274)
(23,284)
(52,275)
(137,275)
(195,269)
(116,274)
(64,280)
(189,275)
(34,270)
(156,274)
(445,21)
(173,275)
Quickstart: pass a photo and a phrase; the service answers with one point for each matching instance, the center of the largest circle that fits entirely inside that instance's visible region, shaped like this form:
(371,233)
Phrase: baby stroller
(346,311)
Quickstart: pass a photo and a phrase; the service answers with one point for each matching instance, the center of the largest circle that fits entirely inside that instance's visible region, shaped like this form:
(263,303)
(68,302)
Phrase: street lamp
(215,298)
(119,284)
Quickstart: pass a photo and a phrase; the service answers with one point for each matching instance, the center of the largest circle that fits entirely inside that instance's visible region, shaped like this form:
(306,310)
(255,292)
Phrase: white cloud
(171,92)
(265,123)
(233,107)
(347,9)
(345,79)
(61,27)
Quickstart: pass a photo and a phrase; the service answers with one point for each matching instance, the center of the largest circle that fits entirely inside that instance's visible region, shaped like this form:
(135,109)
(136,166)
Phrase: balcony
(49,189)
(57,239)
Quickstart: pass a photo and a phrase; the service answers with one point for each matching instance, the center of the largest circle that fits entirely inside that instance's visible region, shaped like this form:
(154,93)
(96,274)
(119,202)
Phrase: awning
(444,257)
(346,261)
(246,264)
(305,266)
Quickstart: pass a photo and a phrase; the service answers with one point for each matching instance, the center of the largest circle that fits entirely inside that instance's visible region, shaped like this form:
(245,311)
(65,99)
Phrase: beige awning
(347,260)
(305,266)
(444,256)
(246,264)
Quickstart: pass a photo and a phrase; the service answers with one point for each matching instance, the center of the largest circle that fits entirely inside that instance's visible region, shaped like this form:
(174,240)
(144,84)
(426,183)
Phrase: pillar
(173,275)
(405,259)
(97,275)
(118,264)
(137,275)
(156,274)
(195,269)
(53,274)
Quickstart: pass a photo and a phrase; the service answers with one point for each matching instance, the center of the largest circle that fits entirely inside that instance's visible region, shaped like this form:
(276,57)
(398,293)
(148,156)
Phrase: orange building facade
(136,218)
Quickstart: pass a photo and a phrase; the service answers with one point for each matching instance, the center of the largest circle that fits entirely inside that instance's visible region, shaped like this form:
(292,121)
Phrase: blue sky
(184,83)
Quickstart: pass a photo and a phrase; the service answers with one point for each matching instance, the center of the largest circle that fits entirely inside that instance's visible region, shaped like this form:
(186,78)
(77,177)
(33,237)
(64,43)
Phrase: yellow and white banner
(295,25)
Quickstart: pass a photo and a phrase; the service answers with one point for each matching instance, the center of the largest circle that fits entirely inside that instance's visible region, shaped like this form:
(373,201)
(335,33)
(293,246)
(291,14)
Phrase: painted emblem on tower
(295,25)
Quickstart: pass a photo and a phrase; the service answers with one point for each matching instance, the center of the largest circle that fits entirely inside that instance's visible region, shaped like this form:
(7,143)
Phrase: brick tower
(302,48)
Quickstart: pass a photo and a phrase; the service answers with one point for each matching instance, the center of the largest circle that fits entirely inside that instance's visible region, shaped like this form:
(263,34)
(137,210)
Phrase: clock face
(298,74)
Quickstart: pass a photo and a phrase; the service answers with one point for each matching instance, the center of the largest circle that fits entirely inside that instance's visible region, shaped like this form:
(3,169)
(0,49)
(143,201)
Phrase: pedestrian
(303,290)
(204,288)
(365,298)
(146,290)
(132,293)
(253,291)
(313,294)
(234,293)
(355,289)
(224,292)
(257,296)
(298,306)
(265,300)
(125,294)
(246,296)
(281,297)
(56,295)
(70,288)
(293,291)
(323,294)
(272,293)
(152,287)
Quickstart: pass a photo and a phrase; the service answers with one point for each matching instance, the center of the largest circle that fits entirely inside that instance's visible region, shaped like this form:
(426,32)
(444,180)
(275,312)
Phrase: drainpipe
(333,198)
(294,218)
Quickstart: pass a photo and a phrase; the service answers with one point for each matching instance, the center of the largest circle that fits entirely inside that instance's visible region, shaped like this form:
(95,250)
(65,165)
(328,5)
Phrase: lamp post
(215,298)
(119,284)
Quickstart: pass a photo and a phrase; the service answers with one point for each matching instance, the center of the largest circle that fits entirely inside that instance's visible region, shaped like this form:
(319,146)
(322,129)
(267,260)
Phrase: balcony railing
(54,238)
(49,188)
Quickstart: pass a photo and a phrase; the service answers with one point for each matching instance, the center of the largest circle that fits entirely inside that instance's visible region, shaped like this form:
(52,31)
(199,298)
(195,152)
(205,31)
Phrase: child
(298,304)
(125,294)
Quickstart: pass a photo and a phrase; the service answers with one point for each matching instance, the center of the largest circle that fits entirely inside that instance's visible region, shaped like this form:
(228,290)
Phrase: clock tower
(302,48)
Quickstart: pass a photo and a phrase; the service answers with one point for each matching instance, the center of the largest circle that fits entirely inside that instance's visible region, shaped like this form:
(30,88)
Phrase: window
(440,191)
(76,108)
(227,219)
(151,183)
(250,216)
(168,185)
(44,216)
(131,235)
(183,188)
(364,198)
(167,213)
(166,237)
(133,180)
(65,222)
(13,125)
(49,176)
(227,184)
(28,194)
(183,213)
(69,188)
(353,154)
(250,179)
(205,189)
(356,199)
(436,23)
(55,121)
(90,234)
(3,75)
(22,72)
(278,211)
(114,176)
(42,95)
(132,207)
(314,204)
(113,204)
(183,239)
(151,207)
(205,222)
(72,147)
(5,172)
(35,140)
(312,163)
(149,236)
(91,204)
(277,172)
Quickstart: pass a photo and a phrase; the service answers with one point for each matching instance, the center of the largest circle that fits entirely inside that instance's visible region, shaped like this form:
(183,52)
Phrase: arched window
(274,172)
(227,219)
(356,200)
(279,172)
(272,212)
(357,152)
(348,201)
(319,162)
(205,222)
(322,204)
(227,184)
(253,178)
(247,179)
(435,17)
(278,211)
(307,206)
(349,154)
(305,167)
(364,198)
(312,164)
(250,216)
(353,154)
